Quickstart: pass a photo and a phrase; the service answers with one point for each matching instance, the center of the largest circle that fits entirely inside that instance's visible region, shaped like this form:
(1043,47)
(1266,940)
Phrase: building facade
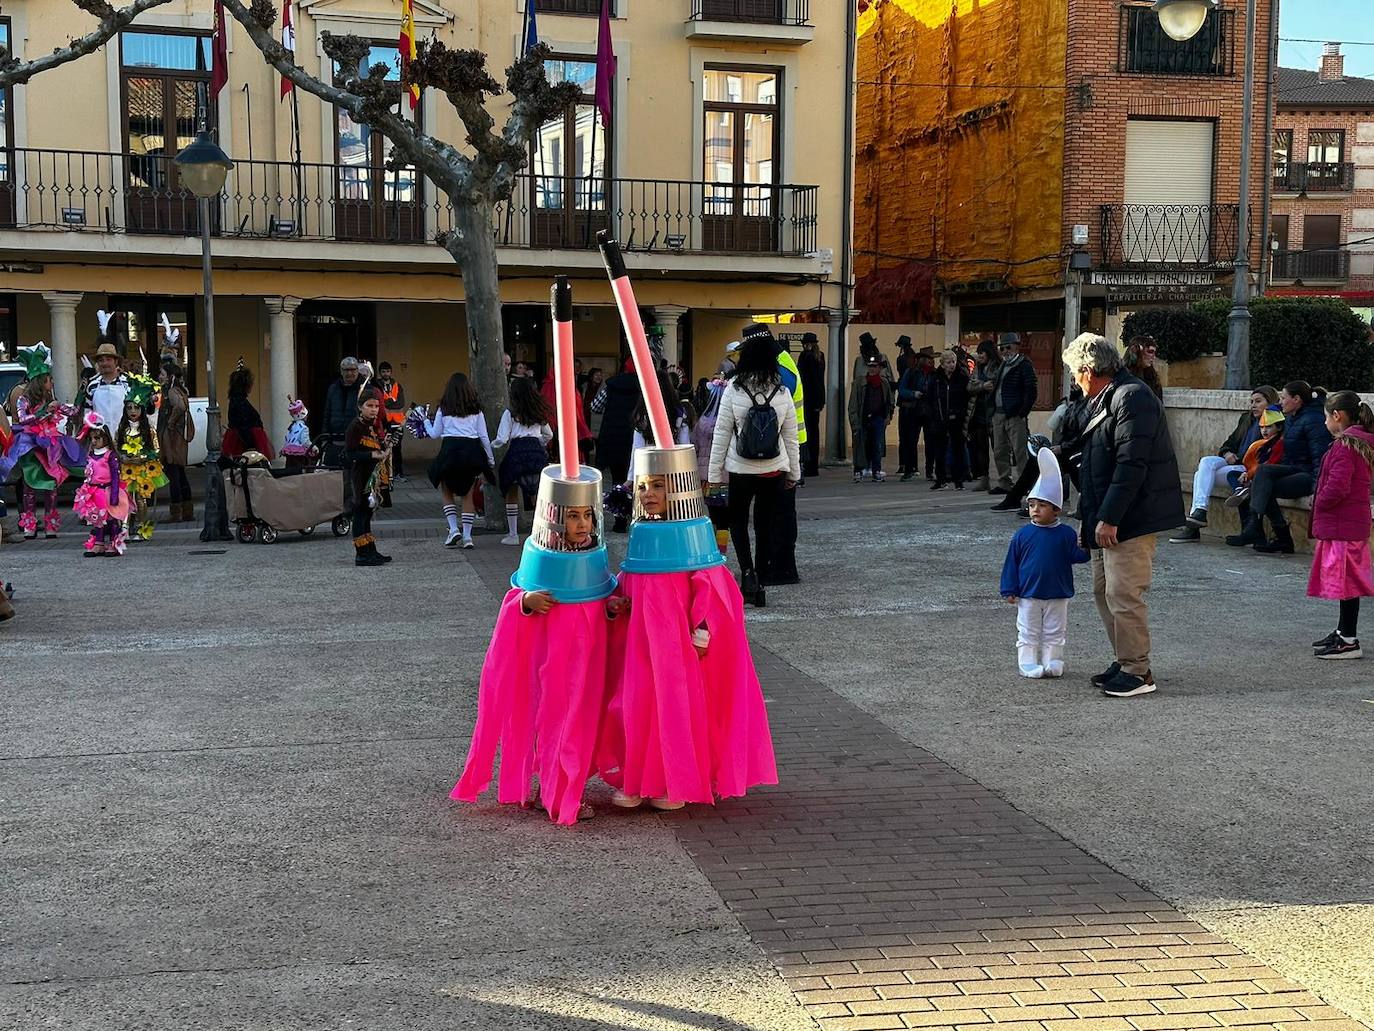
(1322,223)
(721,174)
(996,138)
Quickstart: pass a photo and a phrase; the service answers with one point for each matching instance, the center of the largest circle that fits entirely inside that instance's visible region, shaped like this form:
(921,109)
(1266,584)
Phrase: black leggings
(1350,618)
(177,485)
(951,451)
(1273,482)
(762,493)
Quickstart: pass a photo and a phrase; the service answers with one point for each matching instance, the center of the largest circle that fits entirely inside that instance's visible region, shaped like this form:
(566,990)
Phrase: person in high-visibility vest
(393,411)
(781,566)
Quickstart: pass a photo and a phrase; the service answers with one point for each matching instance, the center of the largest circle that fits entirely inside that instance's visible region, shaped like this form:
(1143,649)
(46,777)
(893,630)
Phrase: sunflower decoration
(143,391)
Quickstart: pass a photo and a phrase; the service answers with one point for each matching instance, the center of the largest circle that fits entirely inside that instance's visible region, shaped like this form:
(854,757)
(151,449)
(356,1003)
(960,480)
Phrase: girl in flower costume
(39,448)
(101,501)
(296,448)
(140,467)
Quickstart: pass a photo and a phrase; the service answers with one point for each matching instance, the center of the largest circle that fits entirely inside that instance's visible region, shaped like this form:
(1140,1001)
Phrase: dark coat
(340,407)
(1306,439)
(1235,443)
(811,365)
(1016,382)
(946,397)
(1129,473)
(616,439)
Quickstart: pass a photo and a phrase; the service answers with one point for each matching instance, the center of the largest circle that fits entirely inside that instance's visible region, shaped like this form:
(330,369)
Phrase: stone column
(62,341)
(669,316)
(281,313)
(834,420)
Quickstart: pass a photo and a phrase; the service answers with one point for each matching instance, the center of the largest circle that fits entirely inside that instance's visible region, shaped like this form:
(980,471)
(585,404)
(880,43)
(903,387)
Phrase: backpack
(758,436)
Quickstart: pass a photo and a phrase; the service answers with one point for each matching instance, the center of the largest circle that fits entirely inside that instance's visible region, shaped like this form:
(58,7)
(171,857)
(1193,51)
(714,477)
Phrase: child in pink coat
(1341,522)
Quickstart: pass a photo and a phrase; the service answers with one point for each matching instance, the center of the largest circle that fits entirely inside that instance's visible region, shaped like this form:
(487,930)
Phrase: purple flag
(605,65)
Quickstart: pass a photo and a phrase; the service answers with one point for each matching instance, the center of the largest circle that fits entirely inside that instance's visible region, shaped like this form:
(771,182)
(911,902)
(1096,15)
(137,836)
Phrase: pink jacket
(1340,507)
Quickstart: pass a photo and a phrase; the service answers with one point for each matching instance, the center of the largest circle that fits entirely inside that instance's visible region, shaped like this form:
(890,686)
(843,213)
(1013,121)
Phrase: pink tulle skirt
(681,727)
(541,698)
(1340,570)
(92,504)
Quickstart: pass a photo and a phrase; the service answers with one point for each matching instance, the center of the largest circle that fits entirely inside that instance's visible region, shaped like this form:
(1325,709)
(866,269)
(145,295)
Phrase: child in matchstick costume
(140,468)
(1037,576)
(39,448)
(686,721)
(100,501)
(543,688)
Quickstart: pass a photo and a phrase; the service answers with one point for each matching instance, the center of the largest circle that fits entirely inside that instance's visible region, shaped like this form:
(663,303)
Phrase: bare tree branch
(14,72)
(536,101)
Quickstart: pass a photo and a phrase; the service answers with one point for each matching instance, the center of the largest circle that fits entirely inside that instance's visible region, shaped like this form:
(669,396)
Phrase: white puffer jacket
(734,411)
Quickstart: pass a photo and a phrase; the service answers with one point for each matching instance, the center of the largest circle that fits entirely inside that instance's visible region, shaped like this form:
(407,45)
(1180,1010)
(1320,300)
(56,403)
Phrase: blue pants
(875,434)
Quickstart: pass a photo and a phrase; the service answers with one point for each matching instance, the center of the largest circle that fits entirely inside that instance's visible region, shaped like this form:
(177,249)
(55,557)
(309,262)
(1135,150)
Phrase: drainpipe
(835,423)
(1266,255)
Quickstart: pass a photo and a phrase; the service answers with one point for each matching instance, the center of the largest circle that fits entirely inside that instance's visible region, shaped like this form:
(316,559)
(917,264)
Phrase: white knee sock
(513,519)
(451,516)
(1026,660)
(468,519)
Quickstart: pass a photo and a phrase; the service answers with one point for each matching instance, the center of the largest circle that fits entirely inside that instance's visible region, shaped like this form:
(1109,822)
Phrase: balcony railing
(1333,265)
(1315,177)
(139,194)
(756,12)
(1170,236)
(1145,48)
(571,7)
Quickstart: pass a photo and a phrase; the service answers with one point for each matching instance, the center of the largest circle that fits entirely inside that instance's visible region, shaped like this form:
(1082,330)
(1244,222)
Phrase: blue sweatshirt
(1040,562)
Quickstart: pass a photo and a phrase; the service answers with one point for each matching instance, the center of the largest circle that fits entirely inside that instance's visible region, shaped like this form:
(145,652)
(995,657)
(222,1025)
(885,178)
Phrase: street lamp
(1183,19)
(202,168)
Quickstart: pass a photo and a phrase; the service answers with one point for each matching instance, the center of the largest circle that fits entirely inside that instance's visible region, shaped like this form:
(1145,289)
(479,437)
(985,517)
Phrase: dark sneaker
(1007,504)
(938,485)
(1282,544)
(1197,517)
(1341,648)
(1188,535)
(998,490)
(908,477)
(1127,685)
(1106,674)
(1240,497)
(1327,641)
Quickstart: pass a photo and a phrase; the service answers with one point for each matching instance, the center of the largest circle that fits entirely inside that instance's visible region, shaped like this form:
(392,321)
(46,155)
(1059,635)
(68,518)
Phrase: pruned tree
(110,21)
(476,179)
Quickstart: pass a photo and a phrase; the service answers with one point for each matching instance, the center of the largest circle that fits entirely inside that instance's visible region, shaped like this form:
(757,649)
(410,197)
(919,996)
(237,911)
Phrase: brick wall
(1096,115)
(1356,207)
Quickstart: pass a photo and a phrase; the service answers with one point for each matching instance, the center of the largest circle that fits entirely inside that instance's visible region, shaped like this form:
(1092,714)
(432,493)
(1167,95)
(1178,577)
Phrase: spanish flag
(408,49)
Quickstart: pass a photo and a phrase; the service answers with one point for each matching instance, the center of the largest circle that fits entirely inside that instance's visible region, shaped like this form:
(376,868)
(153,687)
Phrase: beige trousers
(1121,576)
(1009,436)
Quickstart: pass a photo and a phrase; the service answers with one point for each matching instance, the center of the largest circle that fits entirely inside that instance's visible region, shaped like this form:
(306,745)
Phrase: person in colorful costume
(38,446)
(686,721)
(543,687)
(140,467)
(101,501)
(296,448)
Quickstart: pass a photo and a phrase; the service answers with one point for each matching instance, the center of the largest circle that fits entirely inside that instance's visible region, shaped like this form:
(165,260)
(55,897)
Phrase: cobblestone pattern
(891,891)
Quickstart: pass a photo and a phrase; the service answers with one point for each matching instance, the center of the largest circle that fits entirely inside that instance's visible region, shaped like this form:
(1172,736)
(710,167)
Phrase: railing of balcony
(1315,177)
(1329,265)
(139,194)
(571,7)
(1144,48)
(759,12)
(1170,235)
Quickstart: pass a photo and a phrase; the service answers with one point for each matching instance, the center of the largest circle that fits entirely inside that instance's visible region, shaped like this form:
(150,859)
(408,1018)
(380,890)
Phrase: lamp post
(202,168)
(1182,20)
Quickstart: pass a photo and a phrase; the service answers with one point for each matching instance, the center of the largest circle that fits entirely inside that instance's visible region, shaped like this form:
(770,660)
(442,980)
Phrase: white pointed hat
(1050,486)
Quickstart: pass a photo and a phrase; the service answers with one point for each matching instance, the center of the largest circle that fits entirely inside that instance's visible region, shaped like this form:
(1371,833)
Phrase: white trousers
(1211,472)
(1041,624)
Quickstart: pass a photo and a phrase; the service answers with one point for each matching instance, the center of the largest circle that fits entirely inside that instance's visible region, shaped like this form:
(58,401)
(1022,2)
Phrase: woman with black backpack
(755,442)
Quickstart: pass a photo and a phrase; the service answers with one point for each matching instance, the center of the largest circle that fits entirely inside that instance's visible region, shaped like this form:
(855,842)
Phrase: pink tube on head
(659,422)
(565,384)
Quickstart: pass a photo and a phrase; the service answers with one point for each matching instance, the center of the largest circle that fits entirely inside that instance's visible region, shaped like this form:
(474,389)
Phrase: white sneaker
(467,544)
(623,801)
(1054,660)
(1025,662)
(511,539)
(858,477)
(880,477)
(451,541)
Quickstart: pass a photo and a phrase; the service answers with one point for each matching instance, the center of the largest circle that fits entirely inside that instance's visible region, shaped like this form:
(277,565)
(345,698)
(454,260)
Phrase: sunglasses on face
(1006,347)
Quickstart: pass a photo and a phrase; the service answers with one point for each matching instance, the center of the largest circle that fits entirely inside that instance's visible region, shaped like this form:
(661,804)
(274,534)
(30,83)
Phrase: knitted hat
(296,408)
(1050,487)
(1271,416)
(37,360)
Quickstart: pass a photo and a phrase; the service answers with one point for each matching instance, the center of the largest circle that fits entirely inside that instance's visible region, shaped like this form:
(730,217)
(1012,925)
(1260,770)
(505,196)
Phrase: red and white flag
(288,40)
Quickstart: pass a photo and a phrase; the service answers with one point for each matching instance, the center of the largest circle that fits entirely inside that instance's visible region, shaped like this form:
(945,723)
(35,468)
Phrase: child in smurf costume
(1037,576)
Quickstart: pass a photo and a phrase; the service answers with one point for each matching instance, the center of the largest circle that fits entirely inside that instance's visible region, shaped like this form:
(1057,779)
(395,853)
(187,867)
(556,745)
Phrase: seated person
(1213,470)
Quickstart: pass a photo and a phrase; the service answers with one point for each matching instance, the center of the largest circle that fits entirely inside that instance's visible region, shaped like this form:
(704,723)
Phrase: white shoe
(1033,672)
(1054,660)
(511,540)
(665,805)
(623,801)
(880,477)
(858,478)
(1025,661)
(451,541)
(467,544)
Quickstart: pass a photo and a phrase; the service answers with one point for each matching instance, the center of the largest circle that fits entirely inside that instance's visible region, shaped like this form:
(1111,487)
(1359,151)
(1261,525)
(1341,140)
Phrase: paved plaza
(225,770)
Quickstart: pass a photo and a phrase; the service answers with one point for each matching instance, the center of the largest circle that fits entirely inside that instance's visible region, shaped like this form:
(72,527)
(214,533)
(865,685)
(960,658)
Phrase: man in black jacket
(1130,493)
(1013,398)
(811,365)
(341,400)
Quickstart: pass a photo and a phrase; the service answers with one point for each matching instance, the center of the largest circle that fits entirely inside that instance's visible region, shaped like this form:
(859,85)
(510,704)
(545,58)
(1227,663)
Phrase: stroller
(263,502)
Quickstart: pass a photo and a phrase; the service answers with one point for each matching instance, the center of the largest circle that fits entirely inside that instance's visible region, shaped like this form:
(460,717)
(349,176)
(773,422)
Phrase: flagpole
(299,169)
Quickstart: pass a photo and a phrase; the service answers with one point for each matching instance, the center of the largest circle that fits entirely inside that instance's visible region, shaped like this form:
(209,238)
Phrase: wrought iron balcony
(1170,236)
(82,191)
(1145,49)
(755,12)
(1315,177)
(1329,266)
(592,7)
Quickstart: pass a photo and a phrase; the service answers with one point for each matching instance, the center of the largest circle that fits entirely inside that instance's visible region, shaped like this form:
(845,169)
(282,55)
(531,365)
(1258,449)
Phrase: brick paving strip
(892,891)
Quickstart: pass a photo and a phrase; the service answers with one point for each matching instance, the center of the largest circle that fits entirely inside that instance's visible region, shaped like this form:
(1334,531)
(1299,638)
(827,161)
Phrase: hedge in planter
(1181,333)
(1317,339)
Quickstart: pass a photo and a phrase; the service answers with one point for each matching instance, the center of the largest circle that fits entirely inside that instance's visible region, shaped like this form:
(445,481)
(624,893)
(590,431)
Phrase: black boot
(1282,544)
(365,552)
(750,588)
(1251,533)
